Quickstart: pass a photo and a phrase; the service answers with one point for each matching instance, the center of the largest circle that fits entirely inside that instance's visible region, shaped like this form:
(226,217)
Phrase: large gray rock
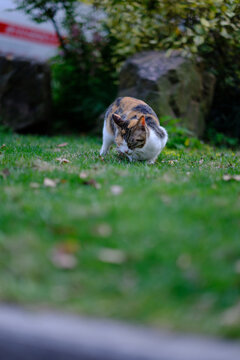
(172,85)
(25,93)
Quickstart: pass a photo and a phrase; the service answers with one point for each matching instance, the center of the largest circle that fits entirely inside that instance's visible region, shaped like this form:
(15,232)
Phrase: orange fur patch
(108,121)
(142,120)
(132,123)
(119,140)
(109,128)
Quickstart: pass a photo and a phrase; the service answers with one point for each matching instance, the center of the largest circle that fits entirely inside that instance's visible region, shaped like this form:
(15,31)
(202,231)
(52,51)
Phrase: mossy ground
(176,225)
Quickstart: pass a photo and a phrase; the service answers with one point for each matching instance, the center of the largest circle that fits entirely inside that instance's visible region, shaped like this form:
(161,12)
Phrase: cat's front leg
(107,141)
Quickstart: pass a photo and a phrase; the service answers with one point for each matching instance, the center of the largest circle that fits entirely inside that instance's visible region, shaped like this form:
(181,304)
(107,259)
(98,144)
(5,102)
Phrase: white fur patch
(123,148)
(108,139)
(152,148)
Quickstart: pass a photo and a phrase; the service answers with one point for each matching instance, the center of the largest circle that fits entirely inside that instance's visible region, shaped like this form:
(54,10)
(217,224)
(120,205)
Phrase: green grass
(177,224)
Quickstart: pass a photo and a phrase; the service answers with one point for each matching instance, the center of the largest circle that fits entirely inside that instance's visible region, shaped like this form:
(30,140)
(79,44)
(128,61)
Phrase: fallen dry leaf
(5,173)
(171,162)
(228,177)
(62,256)
(49,182)
(93,183)
(116,189)
(34,185)
(62,145)
(62,160)
(69,246)
(111,256)
(83,175)
(63,260)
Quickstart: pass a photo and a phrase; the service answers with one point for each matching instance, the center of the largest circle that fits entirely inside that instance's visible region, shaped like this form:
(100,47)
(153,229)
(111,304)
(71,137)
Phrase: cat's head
(132,132)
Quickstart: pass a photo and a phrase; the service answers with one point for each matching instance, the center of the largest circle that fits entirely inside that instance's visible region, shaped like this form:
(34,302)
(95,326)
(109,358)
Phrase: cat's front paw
(151,162)
(102,152)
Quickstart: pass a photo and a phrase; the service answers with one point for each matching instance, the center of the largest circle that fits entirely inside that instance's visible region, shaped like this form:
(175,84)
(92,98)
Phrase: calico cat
(135,129)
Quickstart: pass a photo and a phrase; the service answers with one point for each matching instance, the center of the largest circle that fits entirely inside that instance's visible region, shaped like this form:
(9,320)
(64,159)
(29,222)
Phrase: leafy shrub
(201,27)
(4,129)
(219,139)
(180,137)
(83,77)
(209,28)
(83,81)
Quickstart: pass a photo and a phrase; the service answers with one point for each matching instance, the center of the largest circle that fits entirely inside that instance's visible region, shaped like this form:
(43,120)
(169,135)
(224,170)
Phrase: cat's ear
(142,121)
(118,120)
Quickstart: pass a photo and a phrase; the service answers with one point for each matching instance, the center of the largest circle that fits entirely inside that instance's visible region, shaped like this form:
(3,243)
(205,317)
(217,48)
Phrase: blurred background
(86,44)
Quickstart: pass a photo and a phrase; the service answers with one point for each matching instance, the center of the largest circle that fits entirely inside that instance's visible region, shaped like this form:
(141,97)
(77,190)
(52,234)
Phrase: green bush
(83,82)
(84,79)
(201,27)
(220,139)
(209,28)
(83,76)
(180,137)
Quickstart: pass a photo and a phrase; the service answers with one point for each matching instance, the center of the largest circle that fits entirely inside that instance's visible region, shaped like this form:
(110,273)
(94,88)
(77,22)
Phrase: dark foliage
(83,81)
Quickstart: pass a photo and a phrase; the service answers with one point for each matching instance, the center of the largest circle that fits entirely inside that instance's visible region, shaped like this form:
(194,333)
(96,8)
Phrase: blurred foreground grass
(155,244)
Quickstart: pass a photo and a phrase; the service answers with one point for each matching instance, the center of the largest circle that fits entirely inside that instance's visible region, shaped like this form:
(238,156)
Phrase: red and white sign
(20,36)
(28,34)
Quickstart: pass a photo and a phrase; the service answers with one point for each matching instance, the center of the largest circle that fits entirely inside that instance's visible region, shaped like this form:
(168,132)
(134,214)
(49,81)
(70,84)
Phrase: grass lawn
(157,244)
